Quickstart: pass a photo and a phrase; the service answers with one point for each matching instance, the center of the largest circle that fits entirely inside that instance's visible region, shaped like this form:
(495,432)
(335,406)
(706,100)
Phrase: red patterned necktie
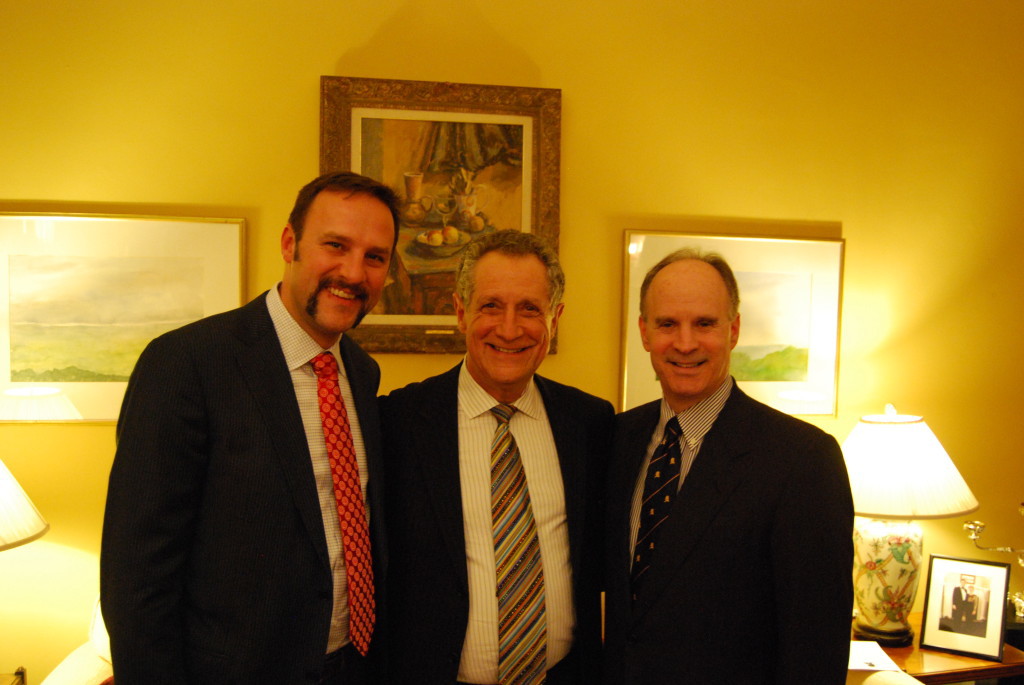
(355,533)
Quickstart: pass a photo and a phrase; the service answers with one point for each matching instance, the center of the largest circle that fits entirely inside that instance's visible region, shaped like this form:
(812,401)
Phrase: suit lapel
(632,437)
(438,461)
(364,379)
(261,363)
(716,472)
(569,445)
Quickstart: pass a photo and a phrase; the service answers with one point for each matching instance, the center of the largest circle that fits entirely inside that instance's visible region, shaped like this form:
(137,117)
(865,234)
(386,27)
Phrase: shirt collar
(475,401)
(697,420)
(297,345)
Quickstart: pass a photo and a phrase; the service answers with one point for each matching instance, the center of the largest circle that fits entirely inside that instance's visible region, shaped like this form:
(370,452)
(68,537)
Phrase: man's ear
(460,312)
(556,316)
(288,244)
(643,333)
(735,331)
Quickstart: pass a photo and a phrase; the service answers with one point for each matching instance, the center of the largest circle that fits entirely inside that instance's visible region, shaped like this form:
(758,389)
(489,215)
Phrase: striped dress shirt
(695,422)
(532,432)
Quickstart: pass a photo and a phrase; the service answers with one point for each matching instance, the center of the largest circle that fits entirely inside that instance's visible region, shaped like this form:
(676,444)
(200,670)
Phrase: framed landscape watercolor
(790,293)
(965,607)
(466,159)
(82,294)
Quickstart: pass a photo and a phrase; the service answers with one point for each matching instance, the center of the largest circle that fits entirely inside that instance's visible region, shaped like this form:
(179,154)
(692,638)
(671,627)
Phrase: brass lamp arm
(975,528)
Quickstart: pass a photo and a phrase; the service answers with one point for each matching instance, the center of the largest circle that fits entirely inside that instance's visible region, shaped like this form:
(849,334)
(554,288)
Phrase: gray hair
(711,258)
(513,244)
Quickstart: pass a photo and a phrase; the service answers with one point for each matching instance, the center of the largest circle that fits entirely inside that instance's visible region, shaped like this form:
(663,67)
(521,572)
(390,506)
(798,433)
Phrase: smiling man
(730,523)
(495,486)
(229,554)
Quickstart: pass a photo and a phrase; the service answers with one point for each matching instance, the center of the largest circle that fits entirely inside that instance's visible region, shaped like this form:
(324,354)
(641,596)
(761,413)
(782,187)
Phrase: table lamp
(37,403)
(20,521)
(898,470)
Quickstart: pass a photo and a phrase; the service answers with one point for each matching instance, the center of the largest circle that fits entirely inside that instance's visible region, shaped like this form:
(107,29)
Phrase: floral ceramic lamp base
(886,568)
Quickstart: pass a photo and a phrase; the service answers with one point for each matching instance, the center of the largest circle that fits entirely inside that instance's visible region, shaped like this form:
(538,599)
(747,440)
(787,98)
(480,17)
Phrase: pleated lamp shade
(20,521)
(899,470)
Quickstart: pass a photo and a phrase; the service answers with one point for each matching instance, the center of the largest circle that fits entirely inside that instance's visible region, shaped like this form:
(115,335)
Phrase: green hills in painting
(786,364)
(69,374)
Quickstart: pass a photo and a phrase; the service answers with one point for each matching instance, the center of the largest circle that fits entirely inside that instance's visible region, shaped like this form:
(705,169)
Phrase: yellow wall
(902,120)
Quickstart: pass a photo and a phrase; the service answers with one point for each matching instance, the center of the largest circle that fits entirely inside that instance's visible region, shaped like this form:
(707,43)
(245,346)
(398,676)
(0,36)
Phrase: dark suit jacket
(427,582)
(751,581)
(214,564)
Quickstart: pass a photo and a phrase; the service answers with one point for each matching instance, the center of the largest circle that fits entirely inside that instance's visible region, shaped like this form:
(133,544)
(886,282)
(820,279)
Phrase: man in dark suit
(738,569)
(222,558)
(445,569)
(960,606)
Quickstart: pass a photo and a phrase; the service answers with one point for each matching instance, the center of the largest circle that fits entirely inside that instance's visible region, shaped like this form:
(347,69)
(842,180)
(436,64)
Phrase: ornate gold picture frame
(466,159)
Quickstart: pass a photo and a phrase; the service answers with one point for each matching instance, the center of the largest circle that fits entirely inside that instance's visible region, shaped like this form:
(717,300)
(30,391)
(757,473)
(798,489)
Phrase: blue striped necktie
(660,489)
(522,627)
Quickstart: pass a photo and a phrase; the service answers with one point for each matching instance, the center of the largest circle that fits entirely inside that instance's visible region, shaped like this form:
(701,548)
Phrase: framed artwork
(82,294)
(965,607)
(790,292)
(466,159)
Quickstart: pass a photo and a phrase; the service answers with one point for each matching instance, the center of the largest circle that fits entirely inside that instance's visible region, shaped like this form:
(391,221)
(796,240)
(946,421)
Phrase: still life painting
(466,160)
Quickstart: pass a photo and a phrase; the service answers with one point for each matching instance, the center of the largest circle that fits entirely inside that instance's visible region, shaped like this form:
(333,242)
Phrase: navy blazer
(214,564)
(751,580)
(428,588)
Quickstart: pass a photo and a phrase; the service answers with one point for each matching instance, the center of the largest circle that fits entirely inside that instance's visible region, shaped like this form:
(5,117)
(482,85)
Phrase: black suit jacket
(427,582)
(751,581)
(214,563)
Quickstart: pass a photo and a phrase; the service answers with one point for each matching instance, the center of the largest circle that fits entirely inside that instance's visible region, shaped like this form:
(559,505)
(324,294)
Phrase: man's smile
(342,290)
(688,365)
(349,294)
(341,293)
(508,350)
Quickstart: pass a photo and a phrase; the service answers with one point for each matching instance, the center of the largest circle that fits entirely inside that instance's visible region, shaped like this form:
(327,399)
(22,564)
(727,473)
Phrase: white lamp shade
(37,403)
(20,521)
(898,469)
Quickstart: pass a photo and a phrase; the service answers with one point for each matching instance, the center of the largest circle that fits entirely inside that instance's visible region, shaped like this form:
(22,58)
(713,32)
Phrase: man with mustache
(491,583)
(243,538)
(730,523)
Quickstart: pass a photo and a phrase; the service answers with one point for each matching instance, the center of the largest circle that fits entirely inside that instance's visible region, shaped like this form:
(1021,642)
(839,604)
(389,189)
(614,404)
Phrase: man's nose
(351,268)
(509,327)
(685,339)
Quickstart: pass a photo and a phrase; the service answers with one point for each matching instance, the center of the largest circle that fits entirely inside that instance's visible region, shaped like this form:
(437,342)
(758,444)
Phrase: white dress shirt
(532,432)
(299,349)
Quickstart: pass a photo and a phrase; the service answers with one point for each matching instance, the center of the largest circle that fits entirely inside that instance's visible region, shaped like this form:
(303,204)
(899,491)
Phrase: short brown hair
(343,182)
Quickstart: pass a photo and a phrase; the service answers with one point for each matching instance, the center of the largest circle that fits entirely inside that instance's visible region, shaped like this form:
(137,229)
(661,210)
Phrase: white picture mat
(817,263)
(214,246)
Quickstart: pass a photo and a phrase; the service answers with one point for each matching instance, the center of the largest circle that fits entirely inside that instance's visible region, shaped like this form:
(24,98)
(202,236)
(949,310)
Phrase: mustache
(358,290)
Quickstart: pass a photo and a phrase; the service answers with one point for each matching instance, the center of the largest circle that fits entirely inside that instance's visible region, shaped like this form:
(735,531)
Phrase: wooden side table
(930,666)
(1014,629)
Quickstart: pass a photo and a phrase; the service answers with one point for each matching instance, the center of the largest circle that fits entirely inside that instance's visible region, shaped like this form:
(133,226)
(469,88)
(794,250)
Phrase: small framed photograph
(964,609)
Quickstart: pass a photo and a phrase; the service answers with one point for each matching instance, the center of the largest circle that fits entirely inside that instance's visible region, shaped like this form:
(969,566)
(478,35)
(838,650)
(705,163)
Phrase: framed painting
(965,607)
(790,293)
(466,160)
(82,294)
